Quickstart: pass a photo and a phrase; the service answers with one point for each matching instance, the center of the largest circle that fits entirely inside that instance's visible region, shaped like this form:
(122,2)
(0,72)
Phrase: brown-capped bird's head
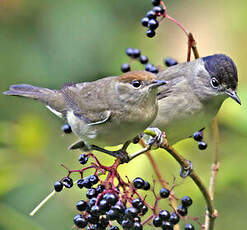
(138,85)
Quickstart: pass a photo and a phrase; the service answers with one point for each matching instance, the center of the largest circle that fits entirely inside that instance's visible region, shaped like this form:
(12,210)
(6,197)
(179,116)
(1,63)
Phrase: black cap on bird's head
(223,72)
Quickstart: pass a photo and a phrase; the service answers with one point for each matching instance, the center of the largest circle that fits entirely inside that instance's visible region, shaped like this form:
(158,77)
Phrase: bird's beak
(157,83)
(231,93)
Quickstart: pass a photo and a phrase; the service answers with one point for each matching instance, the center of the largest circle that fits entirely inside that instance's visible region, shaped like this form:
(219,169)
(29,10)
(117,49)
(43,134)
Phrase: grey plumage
(189,101)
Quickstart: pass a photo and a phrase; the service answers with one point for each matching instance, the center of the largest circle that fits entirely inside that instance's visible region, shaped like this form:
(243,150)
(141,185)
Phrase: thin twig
(215,167)
(40,205)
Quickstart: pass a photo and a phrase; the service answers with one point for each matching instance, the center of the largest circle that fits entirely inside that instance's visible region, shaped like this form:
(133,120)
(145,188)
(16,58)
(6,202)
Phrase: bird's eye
(214,82)
(136,84)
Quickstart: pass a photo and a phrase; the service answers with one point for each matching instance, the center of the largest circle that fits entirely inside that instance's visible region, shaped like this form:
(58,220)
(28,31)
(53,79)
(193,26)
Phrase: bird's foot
(137,139)
(186,171)
(155,140)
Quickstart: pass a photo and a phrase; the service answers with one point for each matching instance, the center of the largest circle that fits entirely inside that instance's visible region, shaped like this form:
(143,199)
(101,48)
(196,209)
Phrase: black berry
(95,210)
(118,208)
(137,203)
(164,193)
(143,60)
(92,219)
(157,222)
(202,145)
(104,205)
(144,21)
(158,10)
(81,205)
(131,213)
(150,33)
(127,224)
(58,186)
(138,183)
(148,67)
(93,179)
(174,218)
(153,24)
(129,52)
(92,202)
(183,211)
(186,201)
(164,215)
(66,128)
(125,67)
(189,227)
(154,69)
(136,53)
(86,182)
(110,198)
(100,188)
(80,221)
(155,2)
(111,214)
(144,209)
(83,158)
(151,14)
(137,226)
(146,186)
(197,136)
(67,182)
(170,62)
(91,193)
(167,225)
(80,183)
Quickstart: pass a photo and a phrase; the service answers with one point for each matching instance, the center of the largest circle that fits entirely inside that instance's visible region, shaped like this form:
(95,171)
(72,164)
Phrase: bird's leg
(120,154)
(184,172)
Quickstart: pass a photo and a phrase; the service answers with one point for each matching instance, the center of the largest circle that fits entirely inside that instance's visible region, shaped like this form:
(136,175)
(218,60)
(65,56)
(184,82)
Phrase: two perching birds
(182,99)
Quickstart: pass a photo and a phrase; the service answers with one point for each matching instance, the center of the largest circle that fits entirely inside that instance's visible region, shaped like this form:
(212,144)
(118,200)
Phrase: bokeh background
(47,43)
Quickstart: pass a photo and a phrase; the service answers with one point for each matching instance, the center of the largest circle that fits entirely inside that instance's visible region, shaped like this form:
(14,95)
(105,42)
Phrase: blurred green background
(47,43)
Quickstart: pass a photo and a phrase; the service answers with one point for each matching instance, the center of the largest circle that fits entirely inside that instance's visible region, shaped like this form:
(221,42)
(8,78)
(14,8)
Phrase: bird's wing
(173,86)
(85,101)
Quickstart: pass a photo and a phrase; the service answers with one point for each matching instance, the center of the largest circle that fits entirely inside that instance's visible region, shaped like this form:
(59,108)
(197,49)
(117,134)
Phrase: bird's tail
(25,90)
(53,98)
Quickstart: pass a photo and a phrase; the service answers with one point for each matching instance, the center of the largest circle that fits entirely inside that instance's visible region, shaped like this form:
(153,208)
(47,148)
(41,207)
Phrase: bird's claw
(157,140)
(137,138)
(122,155)
(186,171)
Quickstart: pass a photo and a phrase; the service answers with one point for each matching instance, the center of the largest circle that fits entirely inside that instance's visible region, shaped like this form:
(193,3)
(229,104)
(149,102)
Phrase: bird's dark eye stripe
(136,83)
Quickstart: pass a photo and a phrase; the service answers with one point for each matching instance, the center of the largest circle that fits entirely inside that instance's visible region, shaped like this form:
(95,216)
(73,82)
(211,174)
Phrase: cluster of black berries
(108,205)
(167,220)
(105,202)
(105,205)
(198,136)
(150,20)
(136,54)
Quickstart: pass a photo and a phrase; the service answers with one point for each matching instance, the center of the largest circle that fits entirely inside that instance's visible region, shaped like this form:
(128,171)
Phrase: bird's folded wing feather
(174,83)
(86,103)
